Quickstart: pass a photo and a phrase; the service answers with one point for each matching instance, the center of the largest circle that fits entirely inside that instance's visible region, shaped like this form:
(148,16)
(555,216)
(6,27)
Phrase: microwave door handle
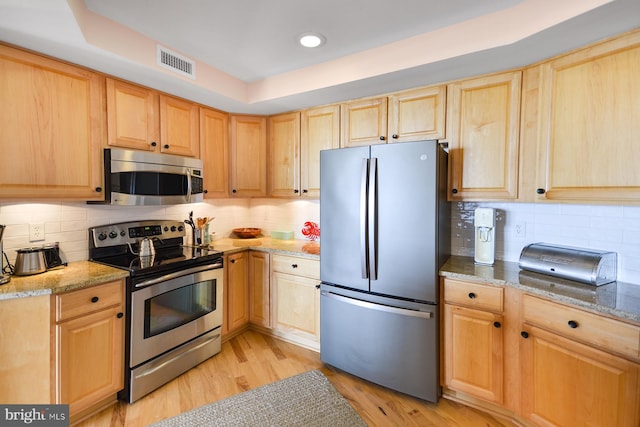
(188,185)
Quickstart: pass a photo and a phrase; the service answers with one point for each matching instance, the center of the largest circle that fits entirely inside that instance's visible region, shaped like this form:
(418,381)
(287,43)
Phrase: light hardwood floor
(252,359)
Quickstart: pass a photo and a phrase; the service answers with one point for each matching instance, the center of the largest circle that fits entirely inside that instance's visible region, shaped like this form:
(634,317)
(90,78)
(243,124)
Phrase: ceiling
(247,59)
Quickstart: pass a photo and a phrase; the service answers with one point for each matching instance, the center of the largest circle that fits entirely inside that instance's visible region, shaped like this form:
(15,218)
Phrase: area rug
(307,399)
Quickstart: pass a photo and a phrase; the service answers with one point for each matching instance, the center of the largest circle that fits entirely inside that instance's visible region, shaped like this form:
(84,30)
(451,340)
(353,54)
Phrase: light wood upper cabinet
(248,144)
(588,124)
(143,119)
(259,289)
(214,146)
(417,115)
(483,117)
(320,130)
(364,122)
(51,128)
(284,155)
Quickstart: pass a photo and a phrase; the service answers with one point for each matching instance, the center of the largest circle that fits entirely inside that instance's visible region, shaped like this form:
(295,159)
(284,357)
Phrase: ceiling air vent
(176,63)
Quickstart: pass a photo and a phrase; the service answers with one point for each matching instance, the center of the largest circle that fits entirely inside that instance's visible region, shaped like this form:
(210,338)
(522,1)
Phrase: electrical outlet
(520,228)
(36,232)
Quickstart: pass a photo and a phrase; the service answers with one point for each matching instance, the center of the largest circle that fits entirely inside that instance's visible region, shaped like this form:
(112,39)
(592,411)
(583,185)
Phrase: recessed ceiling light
(311,39)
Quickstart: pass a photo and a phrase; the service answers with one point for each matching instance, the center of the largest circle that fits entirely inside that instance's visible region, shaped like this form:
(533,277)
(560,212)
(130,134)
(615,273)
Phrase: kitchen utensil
(30,261)
(146,248)
(247,232)
(52,255)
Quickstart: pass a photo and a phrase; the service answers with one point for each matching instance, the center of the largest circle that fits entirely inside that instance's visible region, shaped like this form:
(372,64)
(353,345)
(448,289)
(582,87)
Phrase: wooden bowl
(247,233)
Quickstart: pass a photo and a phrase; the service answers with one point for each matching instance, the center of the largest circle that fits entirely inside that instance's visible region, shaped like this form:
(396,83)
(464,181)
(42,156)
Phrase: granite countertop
(617,299)
(81,274)
(75,275)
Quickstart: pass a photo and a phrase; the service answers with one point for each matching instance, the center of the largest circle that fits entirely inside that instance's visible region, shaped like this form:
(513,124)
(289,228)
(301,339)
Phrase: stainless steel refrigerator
(385,233)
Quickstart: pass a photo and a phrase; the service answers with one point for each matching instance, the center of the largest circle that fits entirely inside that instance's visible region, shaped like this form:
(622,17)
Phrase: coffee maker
(4,278)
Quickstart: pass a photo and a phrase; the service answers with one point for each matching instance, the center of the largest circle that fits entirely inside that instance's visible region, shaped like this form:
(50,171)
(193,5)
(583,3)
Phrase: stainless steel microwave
(140,178)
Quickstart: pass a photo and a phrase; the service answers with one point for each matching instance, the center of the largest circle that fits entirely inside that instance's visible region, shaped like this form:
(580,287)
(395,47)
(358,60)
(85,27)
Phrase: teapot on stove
(145,248)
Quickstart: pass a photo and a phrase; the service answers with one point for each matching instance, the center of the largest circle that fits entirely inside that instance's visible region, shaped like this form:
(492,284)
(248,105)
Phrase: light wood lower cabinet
(537,361)
(236,293)
(89,341)
(259,289)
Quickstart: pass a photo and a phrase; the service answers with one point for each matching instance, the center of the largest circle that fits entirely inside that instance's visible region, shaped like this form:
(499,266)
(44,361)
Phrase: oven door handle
(177,274)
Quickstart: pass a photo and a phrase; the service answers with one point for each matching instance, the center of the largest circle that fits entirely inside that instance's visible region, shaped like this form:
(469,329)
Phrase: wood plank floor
(253,359)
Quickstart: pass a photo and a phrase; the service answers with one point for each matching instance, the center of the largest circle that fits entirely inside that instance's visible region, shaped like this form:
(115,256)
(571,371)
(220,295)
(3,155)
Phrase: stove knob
(113,234)
(166,228)
(122,233)
(102,236)
(173,228)
(180,228)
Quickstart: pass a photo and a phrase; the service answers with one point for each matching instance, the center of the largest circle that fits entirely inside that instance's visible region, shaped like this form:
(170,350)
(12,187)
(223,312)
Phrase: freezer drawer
(390,346)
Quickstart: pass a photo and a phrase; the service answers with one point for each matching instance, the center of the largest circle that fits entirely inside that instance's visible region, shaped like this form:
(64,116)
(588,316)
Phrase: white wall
(613,228)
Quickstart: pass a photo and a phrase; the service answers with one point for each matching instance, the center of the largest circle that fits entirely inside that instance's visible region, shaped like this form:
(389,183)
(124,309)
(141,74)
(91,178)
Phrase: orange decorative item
(311,230)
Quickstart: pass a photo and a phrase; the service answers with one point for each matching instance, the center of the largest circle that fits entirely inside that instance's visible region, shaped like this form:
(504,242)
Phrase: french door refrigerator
(385,228)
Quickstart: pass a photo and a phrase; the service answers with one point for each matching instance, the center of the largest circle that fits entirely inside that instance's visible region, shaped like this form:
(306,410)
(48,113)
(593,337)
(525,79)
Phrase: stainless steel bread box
(583,265)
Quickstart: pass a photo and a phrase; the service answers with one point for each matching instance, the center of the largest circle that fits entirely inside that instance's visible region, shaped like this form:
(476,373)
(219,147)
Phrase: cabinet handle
(120,315)
(233,191)
(540,191)
(206,191)
(524,334)
(166,146)
(294,265)
(394,136)
(454,190)
(98,189)
(153,143)
(95,299)
(472,295)
(305,191)
(296,191)
(497,324)
(233,261)
(572,324)
(318,286)
(382,138)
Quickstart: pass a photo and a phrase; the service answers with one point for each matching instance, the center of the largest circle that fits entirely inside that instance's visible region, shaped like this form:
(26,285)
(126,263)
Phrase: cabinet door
(364,122)
(214,145)
(259,289)
(569,384)
(248,156)
(179,131)
(236,311)
(483,117)
(588,127)
(132,116)
(417,115)
(473,352)
(284,155)
(51,128)
(297,306)
(320,130)
(90,360)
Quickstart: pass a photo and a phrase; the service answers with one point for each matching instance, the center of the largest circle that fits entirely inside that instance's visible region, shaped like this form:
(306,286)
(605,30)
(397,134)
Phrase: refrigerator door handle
(379,307)
(364,265)
(372,218)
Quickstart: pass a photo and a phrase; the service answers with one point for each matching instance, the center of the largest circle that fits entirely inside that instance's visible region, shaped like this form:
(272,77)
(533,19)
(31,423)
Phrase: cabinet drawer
(83,301)
(473,295)
(608,334)
(298,266)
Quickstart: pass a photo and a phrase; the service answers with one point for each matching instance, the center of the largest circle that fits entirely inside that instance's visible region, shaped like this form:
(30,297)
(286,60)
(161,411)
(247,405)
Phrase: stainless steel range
(174,299)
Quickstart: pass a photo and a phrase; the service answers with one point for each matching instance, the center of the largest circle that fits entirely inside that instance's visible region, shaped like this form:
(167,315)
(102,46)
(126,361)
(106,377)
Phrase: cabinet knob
(294,265)
(233,261)
(318,286)
(120,315)
(166,146)
(234,191)
(394,136)
(206,191)
(540,191)
(95,299)
(454,190)
(382,138)
(296,191)
(98,189)
(153,143)
(497,324)
(572,324)
(524,334)
(472,295)
(305,191)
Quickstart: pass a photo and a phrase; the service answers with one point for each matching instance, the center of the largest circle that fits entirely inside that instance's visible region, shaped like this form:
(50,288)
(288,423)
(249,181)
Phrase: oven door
(171,310)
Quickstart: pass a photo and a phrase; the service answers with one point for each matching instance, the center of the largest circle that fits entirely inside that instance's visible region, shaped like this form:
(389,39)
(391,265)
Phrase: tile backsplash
(612,228)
